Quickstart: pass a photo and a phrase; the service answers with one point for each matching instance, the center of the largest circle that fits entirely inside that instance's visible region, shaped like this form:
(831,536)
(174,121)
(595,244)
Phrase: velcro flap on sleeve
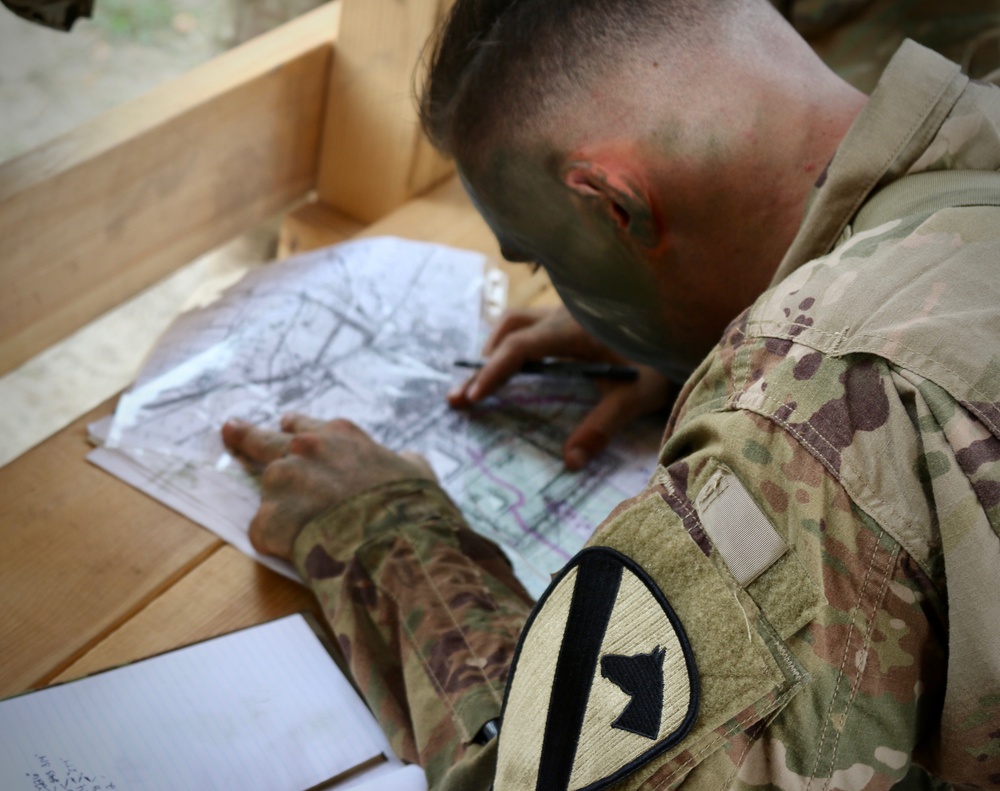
(740,531)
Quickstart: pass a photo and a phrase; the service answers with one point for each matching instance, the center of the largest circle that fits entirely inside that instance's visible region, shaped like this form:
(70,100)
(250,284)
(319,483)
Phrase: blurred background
(50,81)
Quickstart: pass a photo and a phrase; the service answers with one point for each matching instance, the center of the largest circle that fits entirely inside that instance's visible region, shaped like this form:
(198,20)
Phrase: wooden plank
(374,156)
(101,213)
(228,591)
(82,552)
(96,573)
(313,225)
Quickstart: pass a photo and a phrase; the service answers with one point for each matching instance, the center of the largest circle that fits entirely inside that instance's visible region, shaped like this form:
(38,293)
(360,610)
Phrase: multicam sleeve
(816,647)
(857,38)
(427,614)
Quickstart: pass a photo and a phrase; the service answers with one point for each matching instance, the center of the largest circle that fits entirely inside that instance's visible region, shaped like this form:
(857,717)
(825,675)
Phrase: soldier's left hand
(308,467)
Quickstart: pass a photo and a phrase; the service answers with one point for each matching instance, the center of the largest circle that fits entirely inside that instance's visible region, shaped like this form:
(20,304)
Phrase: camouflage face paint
(603,283)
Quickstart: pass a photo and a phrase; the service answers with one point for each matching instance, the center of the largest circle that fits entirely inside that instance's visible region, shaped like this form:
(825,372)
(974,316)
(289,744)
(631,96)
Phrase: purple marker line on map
(479,461)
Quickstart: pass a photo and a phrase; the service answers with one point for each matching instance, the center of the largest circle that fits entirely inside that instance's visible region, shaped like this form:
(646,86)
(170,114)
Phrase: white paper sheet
(264,708)
(407,778)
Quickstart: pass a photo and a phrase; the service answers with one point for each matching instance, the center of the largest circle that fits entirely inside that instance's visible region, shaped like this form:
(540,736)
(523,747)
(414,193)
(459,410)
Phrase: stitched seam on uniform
(920,119)
(781,648)
(457,626)
(441,692)
(794,432)
(688,514)
(743,350)
(863,488)
(838,340)
(727,783)
(682,501)
(689,511)
(840,674)
(708,747)
(419,652)
(874,336)
(865,646)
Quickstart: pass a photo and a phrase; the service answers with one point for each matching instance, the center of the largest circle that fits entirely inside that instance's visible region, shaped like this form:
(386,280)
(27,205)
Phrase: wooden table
(95,574)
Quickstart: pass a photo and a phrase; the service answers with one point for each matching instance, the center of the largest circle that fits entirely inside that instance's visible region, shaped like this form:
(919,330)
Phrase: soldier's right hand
(534,333)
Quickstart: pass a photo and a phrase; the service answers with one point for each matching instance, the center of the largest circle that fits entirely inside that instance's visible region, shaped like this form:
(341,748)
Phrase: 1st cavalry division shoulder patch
(603,680)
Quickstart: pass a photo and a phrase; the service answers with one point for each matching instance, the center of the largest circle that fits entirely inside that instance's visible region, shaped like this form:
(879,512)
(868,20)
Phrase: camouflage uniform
(856,38)
(427,614)
(823,523)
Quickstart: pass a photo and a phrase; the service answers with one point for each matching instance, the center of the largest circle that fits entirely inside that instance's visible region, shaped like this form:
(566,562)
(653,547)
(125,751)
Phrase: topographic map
(368,331)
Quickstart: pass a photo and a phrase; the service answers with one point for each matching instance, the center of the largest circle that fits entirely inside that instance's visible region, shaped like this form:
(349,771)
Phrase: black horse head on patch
(641,677)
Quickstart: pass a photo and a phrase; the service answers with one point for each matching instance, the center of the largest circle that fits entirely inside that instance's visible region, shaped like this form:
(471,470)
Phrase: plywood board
(313,225)
(374,155)
(226,592)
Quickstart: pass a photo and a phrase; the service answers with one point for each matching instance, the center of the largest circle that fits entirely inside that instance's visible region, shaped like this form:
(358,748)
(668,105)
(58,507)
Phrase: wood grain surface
(225,592)
(374,155)
(82,553)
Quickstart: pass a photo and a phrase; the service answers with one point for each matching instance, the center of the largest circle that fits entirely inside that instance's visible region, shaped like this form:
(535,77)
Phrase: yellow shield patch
(603,680)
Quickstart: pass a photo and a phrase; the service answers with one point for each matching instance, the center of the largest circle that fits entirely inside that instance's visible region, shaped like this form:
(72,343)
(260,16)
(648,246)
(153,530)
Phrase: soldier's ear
(610,190)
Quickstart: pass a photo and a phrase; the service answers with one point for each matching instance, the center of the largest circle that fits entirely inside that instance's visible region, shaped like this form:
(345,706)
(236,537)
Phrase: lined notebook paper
(264,708)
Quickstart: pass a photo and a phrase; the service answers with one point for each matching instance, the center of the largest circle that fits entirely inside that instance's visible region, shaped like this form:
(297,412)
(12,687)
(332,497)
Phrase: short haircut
(497,66)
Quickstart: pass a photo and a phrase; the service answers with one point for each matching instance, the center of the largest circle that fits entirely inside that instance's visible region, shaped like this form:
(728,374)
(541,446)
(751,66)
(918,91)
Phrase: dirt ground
(52,81)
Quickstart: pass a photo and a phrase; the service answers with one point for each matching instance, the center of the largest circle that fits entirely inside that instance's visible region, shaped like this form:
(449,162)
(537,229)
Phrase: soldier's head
(653,155)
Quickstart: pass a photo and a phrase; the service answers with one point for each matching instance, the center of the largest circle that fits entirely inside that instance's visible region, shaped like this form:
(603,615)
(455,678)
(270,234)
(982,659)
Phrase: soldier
(803,596)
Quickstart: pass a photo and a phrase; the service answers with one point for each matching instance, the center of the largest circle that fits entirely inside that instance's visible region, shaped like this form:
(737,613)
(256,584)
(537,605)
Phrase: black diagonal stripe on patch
(597,580)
